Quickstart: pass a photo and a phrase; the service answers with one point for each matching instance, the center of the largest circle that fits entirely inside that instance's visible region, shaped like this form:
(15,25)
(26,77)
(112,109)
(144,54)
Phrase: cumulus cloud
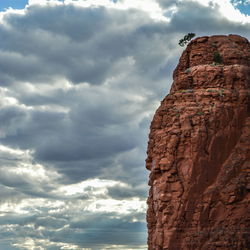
(95,40)
(79,82)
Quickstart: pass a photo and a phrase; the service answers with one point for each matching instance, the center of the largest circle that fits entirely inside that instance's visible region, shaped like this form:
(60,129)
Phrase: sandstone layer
(199,151)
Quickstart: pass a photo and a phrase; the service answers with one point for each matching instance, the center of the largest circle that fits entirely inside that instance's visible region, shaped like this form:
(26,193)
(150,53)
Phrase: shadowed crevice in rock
(199,150)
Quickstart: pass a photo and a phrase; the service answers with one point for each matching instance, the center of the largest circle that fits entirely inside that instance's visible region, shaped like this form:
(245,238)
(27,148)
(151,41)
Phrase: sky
(80,81)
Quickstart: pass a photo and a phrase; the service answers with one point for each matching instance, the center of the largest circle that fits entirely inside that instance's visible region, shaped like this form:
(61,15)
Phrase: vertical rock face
(199,151)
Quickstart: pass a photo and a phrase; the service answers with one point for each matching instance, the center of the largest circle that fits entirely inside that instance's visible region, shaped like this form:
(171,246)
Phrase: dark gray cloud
(10,117)
(94,230)
(10,195)
(109,231)
(100,123)
(78,90)
(210,22)
(72,42)
(121,192)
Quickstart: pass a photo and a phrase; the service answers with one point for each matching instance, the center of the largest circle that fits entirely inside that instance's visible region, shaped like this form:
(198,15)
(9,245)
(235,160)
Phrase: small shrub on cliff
(200,113)
(217,57)
(186,39)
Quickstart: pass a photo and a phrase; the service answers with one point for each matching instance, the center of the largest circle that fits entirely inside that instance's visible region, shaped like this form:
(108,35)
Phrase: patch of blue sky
(14,4)
(242,5)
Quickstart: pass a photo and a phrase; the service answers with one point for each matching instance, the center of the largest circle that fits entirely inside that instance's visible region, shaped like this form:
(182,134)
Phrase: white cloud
(227,9)
(41,244)
(44,2)
(125,207)
(14,154)
(94,186)
(149,6)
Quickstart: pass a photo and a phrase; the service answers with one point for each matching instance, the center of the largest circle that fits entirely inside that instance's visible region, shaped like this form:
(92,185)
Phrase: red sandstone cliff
(199,151)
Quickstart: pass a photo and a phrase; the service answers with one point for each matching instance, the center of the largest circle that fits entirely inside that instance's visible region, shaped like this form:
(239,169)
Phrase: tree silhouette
(186,39)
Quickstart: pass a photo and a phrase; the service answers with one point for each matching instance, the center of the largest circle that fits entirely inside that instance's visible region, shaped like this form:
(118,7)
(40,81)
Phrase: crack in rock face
(199,151)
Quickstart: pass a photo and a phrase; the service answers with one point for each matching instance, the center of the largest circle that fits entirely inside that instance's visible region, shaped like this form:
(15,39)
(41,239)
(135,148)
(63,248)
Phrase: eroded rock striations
(199,151)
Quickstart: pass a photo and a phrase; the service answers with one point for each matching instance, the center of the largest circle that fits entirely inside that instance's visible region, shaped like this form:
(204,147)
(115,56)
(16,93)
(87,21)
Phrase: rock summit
(199,151)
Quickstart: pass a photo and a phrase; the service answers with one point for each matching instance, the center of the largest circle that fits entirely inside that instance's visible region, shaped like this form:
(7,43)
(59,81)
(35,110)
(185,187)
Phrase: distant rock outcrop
(199,151)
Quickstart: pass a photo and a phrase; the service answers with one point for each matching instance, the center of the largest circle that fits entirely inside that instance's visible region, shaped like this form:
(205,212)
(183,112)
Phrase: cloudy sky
(79,83)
